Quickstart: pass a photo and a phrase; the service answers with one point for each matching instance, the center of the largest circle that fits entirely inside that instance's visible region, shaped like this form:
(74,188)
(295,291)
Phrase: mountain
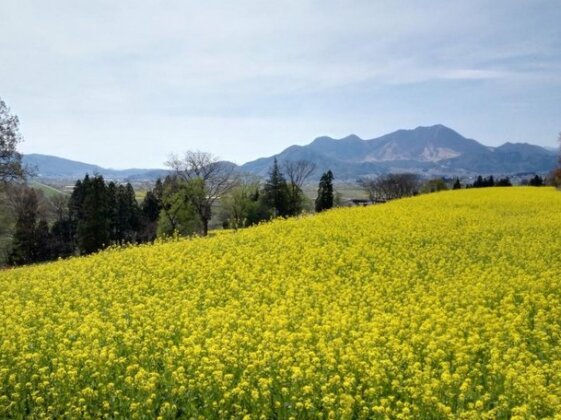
(52,167)
(434,150)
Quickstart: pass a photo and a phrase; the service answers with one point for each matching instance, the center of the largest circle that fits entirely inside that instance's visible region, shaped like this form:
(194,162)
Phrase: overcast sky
(124,83)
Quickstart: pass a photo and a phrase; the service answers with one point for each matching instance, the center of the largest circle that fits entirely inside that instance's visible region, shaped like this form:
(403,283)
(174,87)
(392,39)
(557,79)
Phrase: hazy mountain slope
(53,167)
(435,150)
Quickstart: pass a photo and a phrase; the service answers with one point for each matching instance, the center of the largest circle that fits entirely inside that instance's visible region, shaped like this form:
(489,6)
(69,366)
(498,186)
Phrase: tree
(242,207)
(536,181)
(275,192)
(215,178)
(325,198)
(434,185)
(42,242)
(90,205)
(457,185)
(503,182)
(178,214)
(150,211)
(297,172)
(127,215)
(391,186)
(26,208)
(31,235)
(10,159)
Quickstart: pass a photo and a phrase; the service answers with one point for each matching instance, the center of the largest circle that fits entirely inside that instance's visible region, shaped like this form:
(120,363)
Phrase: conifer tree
(24,247)
(92,206)
(275,192)
(325,197)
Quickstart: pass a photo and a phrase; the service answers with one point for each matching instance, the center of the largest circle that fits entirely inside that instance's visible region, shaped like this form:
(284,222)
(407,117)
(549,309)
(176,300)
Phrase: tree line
(99,214)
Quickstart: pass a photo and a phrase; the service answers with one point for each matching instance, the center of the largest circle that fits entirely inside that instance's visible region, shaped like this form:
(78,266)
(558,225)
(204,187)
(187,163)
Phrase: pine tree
(93,221)
(325,197)
(42,242)
(275,192)
(24,247)
(127,214)
(457,184)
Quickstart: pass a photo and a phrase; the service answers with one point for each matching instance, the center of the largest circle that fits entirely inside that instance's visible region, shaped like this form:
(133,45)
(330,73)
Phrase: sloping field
(444,305)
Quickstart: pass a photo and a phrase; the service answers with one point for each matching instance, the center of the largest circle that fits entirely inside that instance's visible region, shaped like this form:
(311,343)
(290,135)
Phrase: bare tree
(214,177)
(297,172)
(391,186)
(10,159)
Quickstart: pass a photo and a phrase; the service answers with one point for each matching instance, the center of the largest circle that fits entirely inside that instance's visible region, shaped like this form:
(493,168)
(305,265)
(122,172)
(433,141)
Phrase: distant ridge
(53,167)
(431,151)
(434,150)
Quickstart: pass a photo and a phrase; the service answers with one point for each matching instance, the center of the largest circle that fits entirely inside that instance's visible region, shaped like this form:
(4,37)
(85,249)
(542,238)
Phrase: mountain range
(432,151)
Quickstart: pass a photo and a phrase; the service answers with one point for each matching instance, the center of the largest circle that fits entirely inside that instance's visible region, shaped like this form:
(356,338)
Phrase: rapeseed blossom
(440,306)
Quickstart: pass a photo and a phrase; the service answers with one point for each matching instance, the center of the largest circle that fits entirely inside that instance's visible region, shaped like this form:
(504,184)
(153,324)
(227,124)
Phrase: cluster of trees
(200,184)
(536,181)
(490,181)
(391,186)
(97,214)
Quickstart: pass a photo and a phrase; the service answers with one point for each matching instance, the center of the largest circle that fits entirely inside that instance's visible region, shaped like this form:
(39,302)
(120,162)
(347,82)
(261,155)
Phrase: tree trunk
(205,226)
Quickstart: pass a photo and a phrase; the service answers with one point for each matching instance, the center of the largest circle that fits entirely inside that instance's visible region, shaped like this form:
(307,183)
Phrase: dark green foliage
(62,241)
(42,242)
(24,248)
(127,215)
(481,182)
(151,206)
(103,214)
(457,185)
(503,182)
(93,228)
(536,181)
(275,192)
(149,213)
(325,198)
(179,213)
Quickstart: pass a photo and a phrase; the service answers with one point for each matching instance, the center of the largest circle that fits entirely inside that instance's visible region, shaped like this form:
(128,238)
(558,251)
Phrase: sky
(126,83)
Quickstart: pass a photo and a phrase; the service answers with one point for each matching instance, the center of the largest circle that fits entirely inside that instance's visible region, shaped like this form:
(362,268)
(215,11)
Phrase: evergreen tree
(457,184)
(536,181)
(275,192)
(42,242)
(149,213)
(503,182)
(151,206)
(325,197)
(62,241)
(127,214)
(24,249)
(93,228)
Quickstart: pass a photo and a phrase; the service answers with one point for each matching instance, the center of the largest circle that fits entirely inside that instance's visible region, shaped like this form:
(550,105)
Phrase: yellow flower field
(443,305)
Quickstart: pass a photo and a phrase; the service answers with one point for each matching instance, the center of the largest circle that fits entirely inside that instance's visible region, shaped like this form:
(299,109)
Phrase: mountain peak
(351,137)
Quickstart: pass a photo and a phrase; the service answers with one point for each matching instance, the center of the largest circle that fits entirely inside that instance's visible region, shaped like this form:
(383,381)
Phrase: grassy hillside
(437,306)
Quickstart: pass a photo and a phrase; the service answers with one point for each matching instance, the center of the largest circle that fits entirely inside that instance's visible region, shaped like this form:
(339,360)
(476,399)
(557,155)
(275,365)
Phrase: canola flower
(439,306)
